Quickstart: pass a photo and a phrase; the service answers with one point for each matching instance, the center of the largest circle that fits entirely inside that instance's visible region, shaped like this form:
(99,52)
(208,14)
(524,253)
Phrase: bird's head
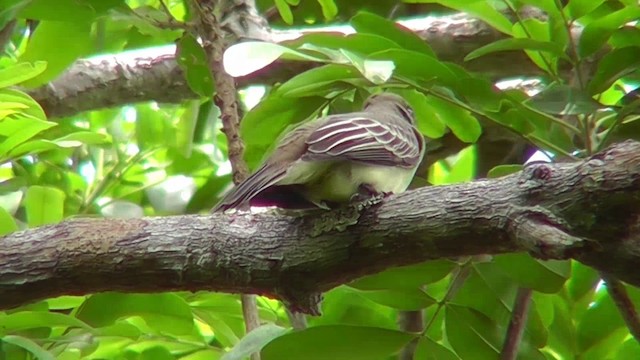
(390,102)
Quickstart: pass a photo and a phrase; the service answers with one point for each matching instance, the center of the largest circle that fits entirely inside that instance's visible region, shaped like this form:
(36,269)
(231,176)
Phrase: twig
(517,324)
(620,297)
(214,45)
(298,320)
(410,321)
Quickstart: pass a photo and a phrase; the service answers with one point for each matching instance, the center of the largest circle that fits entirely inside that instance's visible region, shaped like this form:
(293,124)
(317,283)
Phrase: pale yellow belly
(338,182)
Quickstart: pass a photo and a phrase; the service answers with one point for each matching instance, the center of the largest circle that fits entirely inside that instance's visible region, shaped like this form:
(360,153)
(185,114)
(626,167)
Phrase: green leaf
(32,147)
(329,9)
(210,354)
(28,345)
(405,277)
(193,61)
(540,31)
(517,44)
(7,222)
(24,320)
(426,118)
(362,43)
(480,9)
(321,81)
(343,305)
(376,71)
(401,299)
(45,46)
(583,281)
(579,8)
(471,334)
(613,66)
(285,11)
(20,72)
(543,276)
(68,10)
(16,130)
(625,36)
(430,350)
(254,341)
(33,109)
(44,205)
(464,125)
(261,126)
(337,342)
(369,23)
(165,312)
(64,302)
(564,100)
(630,349)
(463,169)
(249,56)
(417,66)
(600,324)
(82,137)
(187,126)
(596,33)
(504,170)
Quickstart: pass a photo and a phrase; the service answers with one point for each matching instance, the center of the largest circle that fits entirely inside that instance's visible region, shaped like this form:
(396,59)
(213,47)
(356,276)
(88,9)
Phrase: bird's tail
(241,195)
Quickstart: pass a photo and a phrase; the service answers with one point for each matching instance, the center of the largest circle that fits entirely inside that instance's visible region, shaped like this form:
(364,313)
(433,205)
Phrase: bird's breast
(339,181)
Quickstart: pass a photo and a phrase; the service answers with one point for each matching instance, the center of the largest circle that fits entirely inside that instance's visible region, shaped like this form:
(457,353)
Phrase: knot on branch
(300,301)
(544,235)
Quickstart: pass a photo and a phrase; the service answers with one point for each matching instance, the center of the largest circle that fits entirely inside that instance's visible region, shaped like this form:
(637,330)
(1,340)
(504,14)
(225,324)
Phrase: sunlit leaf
(246,57)
(44,205)
(45,46)
(20,72)
(596,33)
(29,345)
(193,61)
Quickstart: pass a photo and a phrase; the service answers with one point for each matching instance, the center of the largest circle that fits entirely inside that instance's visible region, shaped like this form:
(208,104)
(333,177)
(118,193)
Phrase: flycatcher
(332,159)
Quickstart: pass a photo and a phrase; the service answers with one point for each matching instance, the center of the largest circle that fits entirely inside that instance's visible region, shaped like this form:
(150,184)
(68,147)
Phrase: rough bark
(588,210)
(128,78)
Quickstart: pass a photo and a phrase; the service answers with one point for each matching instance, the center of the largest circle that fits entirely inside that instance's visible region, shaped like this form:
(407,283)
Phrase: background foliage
(159,159)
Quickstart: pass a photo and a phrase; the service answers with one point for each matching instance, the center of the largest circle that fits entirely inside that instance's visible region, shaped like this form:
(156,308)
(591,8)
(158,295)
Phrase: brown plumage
(329,159)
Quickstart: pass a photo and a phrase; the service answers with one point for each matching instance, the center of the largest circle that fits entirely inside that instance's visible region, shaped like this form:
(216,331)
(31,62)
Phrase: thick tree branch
(128,78)
(595,202)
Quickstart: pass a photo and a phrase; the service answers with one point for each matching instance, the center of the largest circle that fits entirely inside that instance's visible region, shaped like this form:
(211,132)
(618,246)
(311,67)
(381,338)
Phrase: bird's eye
(406,112)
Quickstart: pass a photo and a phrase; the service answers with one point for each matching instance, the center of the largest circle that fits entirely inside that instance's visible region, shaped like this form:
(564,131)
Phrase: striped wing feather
(364,140)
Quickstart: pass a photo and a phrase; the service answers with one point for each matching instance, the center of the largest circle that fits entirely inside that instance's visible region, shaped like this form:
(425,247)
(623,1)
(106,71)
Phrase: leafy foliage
(156,159)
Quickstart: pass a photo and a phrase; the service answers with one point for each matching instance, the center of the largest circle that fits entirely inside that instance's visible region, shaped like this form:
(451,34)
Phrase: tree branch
(291,257)
(134,77)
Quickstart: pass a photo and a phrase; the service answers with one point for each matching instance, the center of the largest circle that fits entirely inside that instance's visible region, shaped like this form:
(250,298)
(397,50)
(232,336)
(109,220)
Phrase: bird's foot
(367,196)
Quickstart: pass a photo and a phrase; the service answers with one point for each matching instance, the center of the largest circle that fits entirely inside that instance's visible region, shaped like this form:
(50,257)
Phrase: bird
(338,158)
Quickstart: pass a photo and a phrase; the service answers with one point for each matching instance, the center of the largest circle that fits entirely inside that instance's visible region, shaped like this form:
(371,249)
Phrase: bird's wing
(366,140)
(273,170)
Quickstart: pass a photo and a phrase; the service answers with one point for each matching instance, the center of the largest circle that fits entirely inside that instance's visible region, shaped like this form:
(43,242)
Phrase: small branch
(410,321)
(517,324)
(621,298)
(215,45)
(298,321)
